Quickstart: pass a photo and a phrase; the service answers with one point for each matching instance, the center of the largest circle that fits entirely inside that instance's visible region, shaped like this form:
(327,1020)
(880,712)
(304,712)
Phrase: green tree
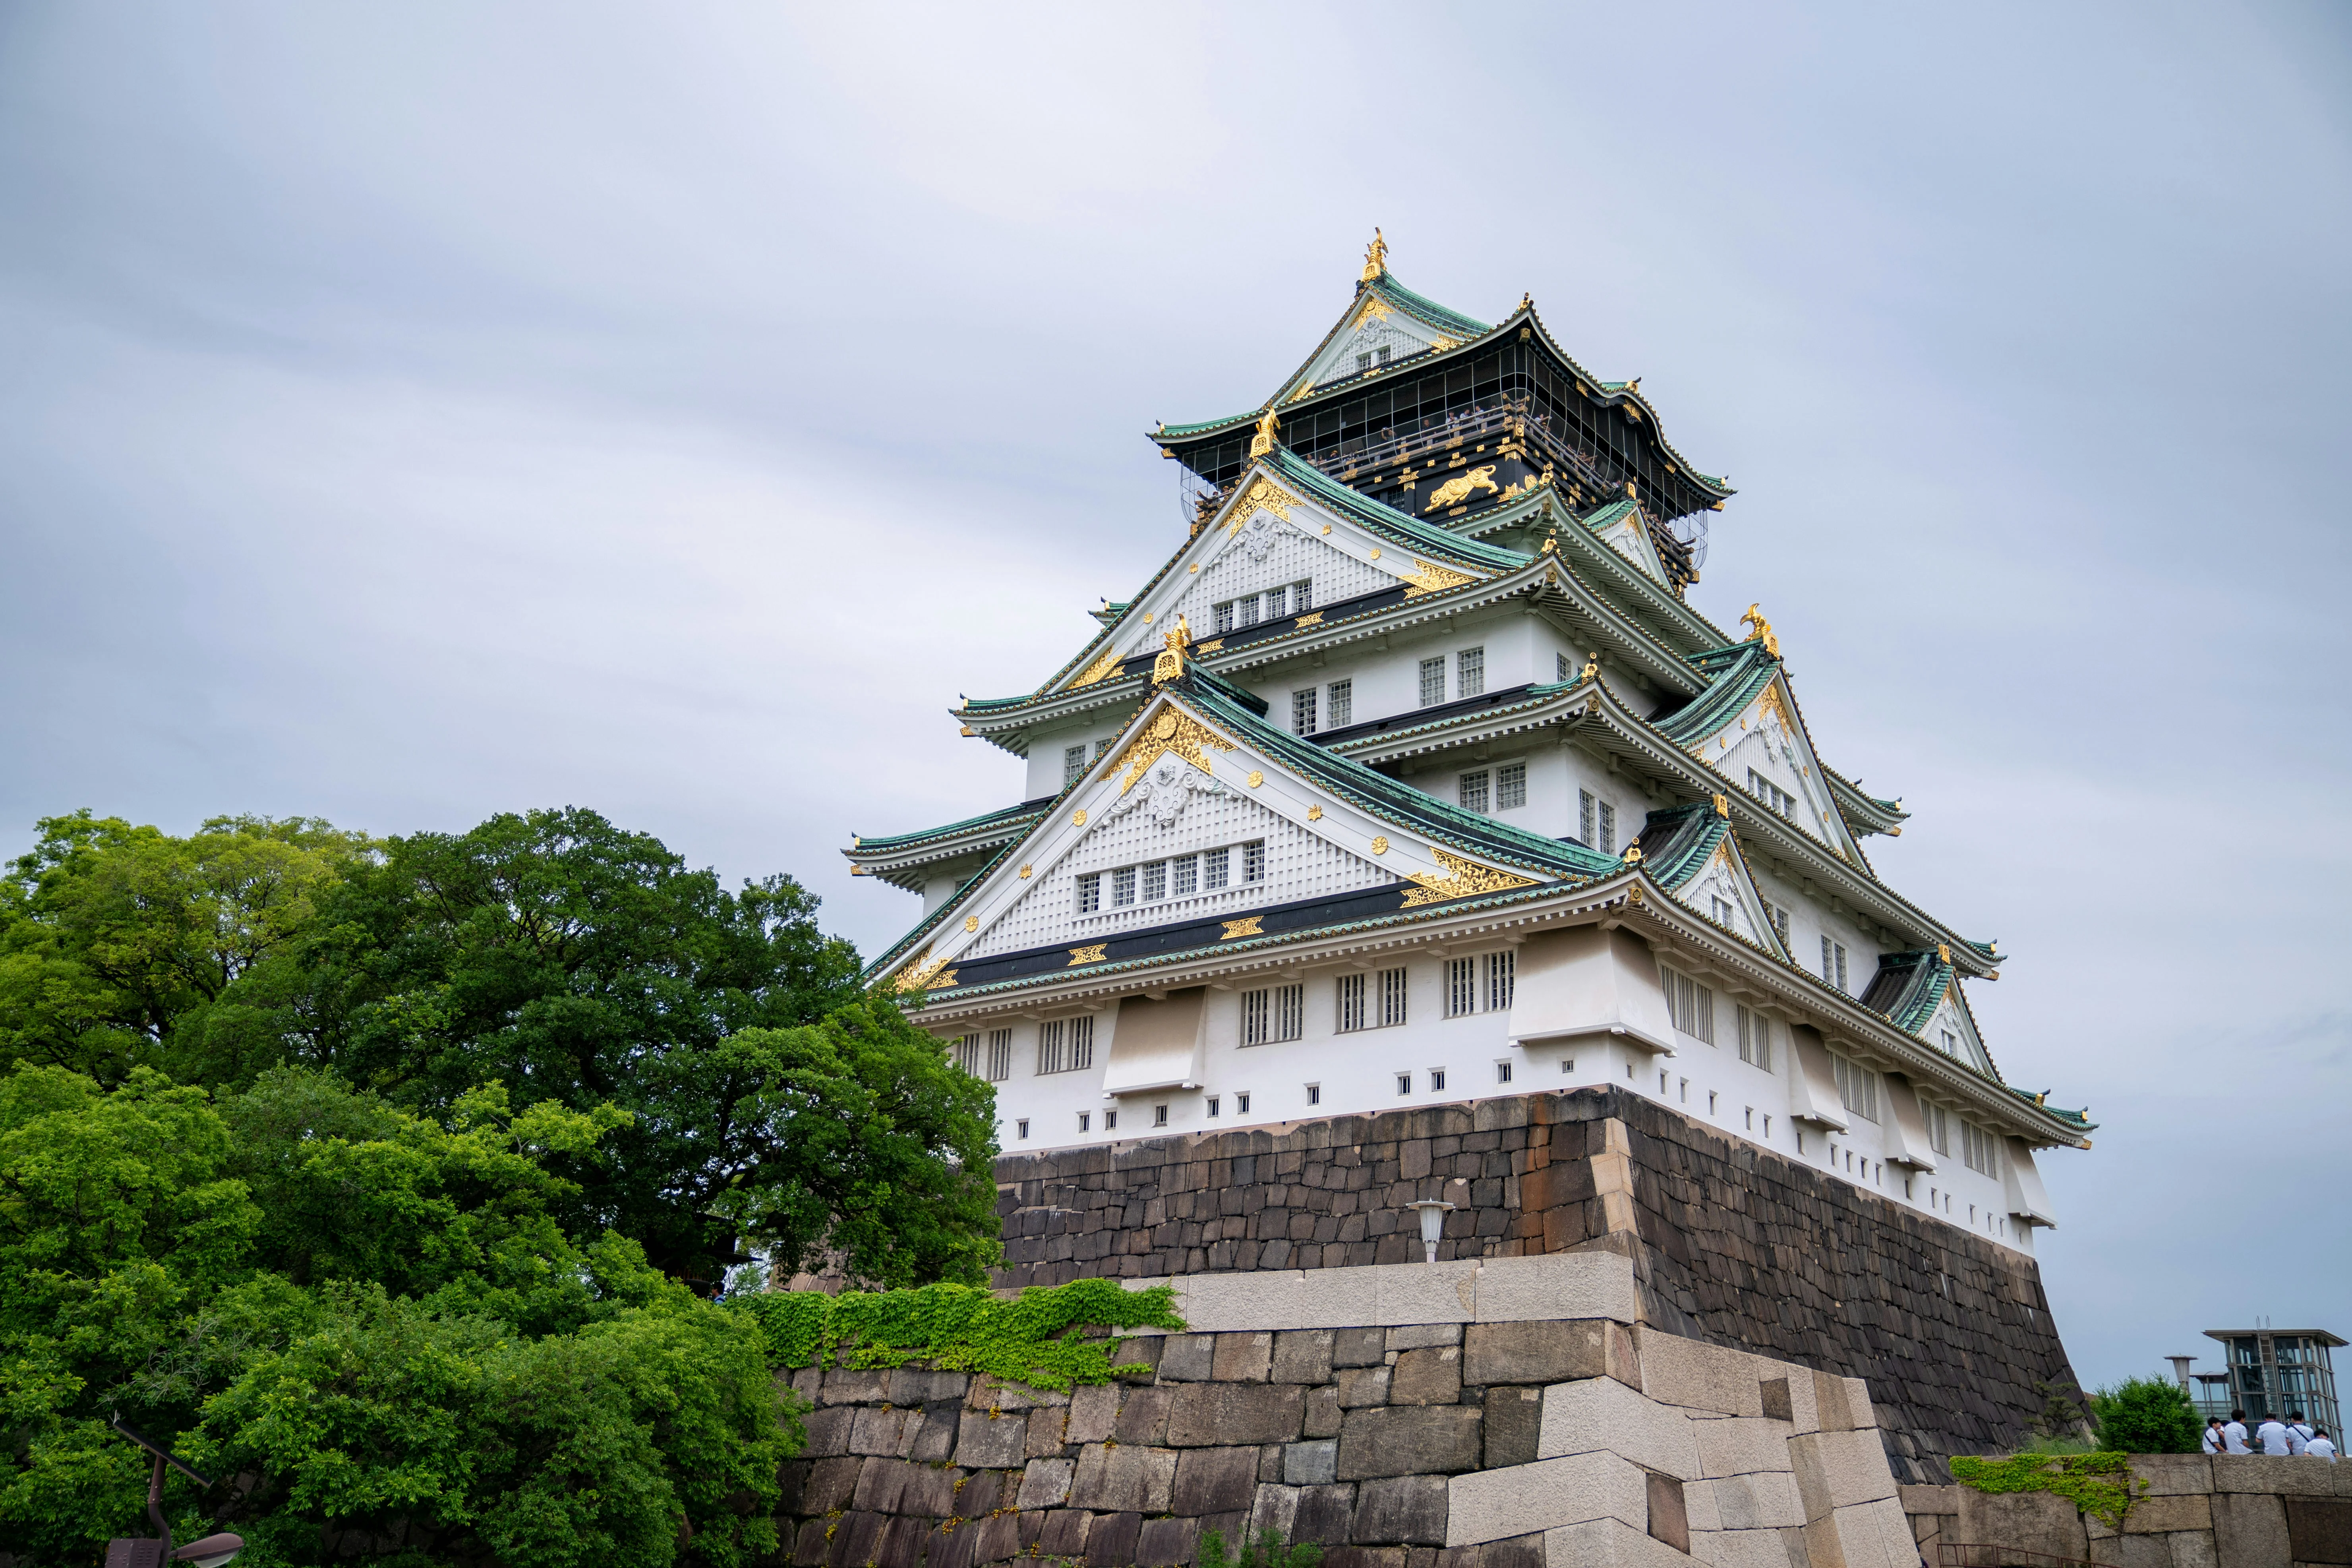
(770,1103)
(2146,1415)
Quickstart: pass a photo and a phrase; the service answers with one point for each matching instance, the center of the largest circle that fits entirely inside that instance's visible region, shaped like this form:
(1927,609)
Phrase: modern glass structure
(2272,1372)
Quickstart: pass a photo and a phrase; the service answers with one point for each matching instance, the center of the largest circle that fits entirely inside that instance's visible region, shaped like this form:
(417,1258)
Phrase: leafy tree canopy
(2147,1415)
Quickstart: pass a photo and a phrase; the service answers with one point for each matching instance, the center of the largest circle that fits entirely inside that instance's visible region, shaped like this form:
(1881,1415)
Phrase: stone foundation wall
(1733,1244)
(2224,1511)
(1506,1415)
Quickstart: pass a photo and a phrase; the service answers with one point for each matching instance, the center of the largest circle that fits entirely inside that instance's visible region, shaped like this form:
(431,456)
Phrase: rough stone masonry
(1732,1243)
(1506,1414)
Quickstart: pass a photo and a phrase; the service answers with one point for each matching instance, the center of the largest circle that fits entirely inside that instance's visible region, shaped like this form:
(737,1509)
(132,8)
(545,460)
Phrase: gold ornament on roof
(1944,951)
(1722,805)
(1428,577)
(1169,663)
(925,973)
(1246,926)
(1175,732)
(1633,854)
(1102,668)
(1461,880)
(1458,488)
(1376,258)
(1375,310)
(1762,631)
(1092,955)
(1264,496)
(1263,442)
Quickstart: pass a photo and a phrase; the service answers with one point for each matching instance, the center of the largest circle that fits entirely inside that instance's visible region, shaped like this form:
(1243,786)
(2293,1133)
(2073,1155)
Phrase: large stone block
(1117,1480)
(1610,1543)
(1407,1510)
(2170,1475)
(2131,1552)
(1600,1413)
(1432,1376)
(913,1386)
(2300,1477)
(1495,1505)
(1111,1537)
(2158,1514)
(1426,1293)
(1558,1285)
(1837,1469)
(846,1386)
(827,1431)
(1143,1417)
(1768,1500)
(1311,1463)
(1361,1385)
(878,1431)
(1094,1413)
(1753,1549)
(1359,1347)
(1397,1440)
(930,1437)
(1303,1355)
(1420,1336)
(1046,1483)
(1164,1542)
(1215,1480)
(2320,1529)
(831,1484)
(1276,1508)
(2028,1521)
(1188,1358)
(1677,1370)
(1243,1357)
(1212,1414)
(1914,1499)
(929,1491)
(992,1444)
(1514,1425)
(1533,1351)
(1669,1518)
(1741,1446)
(1326,1514)
(1047,1431)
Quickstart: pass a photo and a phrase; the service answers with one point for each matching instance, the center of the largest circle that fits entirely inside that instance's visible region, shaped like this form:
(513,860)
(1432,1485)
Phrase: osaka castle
(1413,777)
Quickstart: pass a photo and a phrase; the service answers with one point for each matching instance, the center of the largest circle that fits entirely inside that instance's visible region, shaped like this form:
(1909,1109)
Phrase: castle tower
(1411,778)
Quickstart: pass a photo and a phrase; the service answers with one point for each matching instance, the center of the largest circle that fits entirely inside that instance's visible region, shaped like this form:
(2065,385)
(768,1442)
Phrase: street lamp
(1433,1224)
(212,1552)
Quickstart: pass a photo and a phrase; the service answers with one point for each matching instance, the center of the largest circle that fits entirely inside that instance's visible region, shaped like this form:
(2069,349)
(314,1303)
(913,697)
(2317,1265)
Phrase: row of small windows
(1249,609)
(1596,822)
(1772,795)
(1481,984)
(1469,675)
(1064,1045)
(1691,1007)
(1323,708)
(1980,1149)
(1179,877)
(1371,357)
(1502,789)
(1074,760)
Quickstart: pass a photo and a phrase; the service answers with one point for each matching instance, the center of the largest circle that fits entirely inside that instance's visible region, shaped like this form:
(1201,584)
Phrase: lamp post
(212,1552)
(1433,1213)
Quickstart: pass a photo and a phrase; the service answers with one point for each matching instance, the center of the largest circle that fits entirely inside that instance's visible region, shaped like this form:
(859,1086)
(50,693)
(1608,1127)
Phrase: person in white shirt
(2319,1448)
(2213,1434)
(2298,1431)
(2272,1435)
(2233,1436)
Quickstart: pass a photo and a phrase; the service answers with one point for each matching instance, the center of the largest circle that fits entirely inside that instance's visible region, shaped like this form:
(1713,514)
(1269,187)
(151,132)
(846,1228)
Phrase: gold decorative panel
(1264,496)
(1085,955)
(1246,926)
(1463,879)
(1428,577)
(1102,668)
(1173,731)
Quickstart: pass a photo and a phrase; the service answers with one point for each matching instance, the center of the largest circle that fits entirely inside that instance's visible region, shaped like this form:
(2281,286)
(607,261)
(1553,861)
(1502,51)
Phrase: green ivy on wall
(1036,1338)
(2101,1485)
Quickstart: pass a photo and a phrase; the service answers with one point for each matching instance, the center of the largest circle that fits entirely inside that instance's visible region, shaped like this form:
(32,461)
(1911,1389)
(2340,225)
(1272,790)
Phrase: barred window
(1302,596)
(1352,1004)
(1833,962)
(1725,915)
(1245,611)
(1474,791)
(1461,986)
(1272,1015)
(1433,682)
(1302,711)
(966,1048)
(1188,874)
(1470,672)
(1510,786)
(1241,1105)
(1155,881)
(1313,1094)
(1089,892)
(1976,1151)
(1342,710)
(1122,886)
(1755,1038)
(1772,795)
(1000,1055)
(1225,617)
(1103,745)
(1082,1041)
(1277,603)
(1777,914)
(1391,997)
(1074,764)
(1437,1080)
(1404,1083)
(1857,1086)
(1052,1046)
(1940,1127)
(1691,1004)
(1502,980)
(1563,669)
(1212,868)
(1585,805)
(1502,1072)
(1254,860)
(1608,829)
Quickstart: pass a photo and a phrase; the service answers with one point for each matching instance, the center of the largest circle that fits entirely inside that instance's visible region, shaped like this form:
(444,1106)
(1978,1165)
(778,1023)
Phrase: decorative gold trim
(1174,731)
(1085,955)
(1256,778)
(1247,926)
(1025,872)
(944,978)
(1381,845)
(1634,894)
(1770,703)
(1376,552)
(1463,879)
(1763,630)
(920,971)
(1211,646)
(1442,343)
(1327,528)
(1633,854)
(971,923)
(1311,618)
(1314,814)
(1375,310)
(1944,951)
(967,728)
(1376,258)
(1722,806)
(1263,442)
(1264,496)
(1428,577)
(1194,567)
(1078,817)
(1169,663)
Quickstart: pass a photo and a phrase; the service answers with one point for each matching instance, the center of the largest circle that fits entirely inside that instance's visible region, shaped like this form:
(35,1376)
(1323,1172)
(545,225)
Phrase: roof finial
(1528,299)
(1263,442)
(1376,258)
(1170,664)
(1761,630)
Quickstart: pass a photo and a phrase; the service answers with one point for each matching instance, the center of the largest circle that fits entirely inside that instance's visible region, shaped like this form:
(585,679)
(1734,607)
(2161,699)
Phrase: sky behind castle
(412,413)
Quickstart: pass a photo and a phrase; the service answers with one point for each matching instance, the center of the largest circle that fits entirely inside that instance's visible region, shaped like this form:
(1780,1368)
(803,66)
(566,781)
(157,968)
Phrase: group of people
(2283,1439)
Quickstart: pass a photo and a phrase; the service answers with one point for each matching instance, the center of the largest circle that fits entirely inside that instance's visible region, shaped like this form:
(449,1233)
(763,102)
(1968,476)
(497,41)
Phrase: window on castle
(1977,1152)
(1510,786)
(1779,915)
(1302,711)
(1277,602)
(967,1053)
(1755,1039)
(1274,1015)
(1364,360)
(1341,708)
(1086,1120)
(1857,1086)
(1225,617)
(1951,1043)
(1940,1127)
(1608,842)
(1691,1005)
(1209,1107)
(1302,595)
(1241,1105)
(1350,1016)
(1460,987)
(1437,1080)
(1000,1055)
(1122,886)
(1103,745)
(1502,980)
(1404,1083)
(1393,995)
(1212,868)
(1380,354)
(1833,962)
(1155,881)
(1502,1072)
(1245,611)
(1254,860)
(1475,791)
(1089,892)
(1371,1002)
(1585,807)
(1313,1094)
(1772,795)
(1470,672)
(1160,1116)
(1725,915)
(1186,874)
(1021,1128)
(1074,764)
(1433,682)
(1110,1120)
(1563,669)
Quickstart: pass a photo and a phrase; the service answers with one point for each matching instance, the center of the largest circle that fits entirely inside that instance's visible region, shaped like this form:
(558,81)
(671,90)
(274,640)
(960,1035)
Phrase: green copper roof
(1385,519)
(1908,988)
(1428,310)
(1736,674)
(1677,842)
(2081,1118)
(1003,817)
(1198,425)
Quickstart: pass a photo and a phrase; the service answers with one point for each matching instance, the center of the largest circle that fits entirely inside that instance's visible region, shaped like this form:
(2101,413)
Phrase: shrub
(2146,1415)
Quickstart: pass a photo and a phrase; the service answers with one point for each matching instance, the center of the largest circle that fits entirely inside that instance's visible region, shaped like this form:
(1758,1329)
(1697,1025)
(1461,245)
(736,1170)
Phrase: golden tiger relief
(1458,489)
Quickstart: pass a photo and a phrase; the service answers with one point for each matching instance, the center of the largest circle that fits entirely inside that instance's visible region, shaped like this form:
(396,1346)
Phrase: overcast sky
(409,413)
